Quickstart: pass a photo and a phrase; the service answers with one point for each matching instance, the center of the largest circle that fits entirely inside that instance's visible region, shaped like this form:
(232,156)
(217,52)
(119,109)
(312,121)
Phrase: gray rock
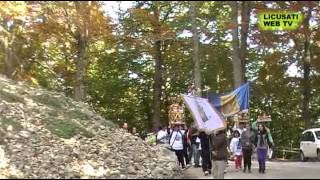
(131,170)
(115,173)
(122,176)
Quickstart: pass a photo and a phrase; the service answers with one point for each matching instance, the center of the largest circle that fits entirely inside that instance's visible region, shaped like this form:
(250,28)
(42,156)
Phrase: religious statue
(176,113)
(240,119)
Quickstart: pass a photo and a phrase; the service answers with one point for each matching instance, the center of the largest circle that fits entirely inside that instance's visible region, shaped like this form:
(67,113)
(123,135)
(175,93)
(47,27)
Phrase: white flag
(207,118)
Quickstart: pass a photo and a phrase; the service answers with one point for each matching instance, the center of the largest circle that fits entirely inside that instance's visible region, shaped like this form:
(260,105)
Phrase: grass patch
(9,97)
(77,114)
(53,113)
(12,177)
(49,101)
(65,129)
(5,122)
(110,124)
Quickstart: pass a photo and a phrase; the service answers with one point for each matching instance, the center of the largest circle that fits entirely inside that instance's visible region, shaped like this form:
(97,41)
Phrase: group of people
(189,143)
(213,149)
(247,140)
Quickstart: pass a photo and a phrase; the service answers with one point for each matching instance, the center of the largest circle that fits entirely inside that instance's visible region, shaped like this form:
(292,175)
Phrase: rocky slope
(44,134)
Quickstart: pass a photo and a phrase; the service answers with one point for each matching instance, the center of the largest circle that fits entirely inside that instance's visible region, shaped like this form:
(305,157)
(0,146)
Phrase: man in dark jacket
(247,143)
(219,154)
(205,153)
(185,145)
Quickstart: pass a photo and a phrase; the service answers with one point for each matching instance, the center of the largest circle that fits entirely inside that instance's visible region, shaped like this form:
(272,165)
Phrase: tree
(81,38)
(12,27)
(195,40)
(147,31)
(77,28)
(306,58)
(157,86)
(236,61)
(239,50)
(245,21)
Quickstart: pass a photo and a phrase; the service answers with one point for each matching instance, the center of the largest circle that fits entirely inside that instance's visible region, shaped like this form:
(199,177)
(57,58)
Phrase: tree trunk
(157,76)
(79,91)
(7,41)
(195,57)
(8,59)
(306,94)
(157,86)
(306,73)
(147,108)
(236,61)
(81,37)
(245,19)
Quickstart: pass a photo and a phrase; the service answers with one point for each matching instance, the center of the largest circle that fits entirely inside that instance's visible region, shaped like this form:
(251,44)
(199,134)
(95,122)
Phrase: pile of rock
(30,149)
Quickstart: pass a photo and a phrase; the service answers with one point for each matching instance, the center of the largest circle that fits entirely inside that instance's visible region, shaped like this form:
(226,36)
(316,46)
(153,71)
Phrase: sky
(111,7)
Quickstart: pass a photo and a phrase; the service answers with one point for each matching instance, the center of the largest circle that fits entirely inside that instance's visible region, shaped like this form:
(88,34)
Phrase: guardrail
(285,151)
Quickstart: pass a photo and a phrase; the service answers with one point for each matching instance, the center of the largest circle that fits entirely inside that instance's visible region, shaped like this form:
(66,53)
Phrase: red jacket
(188,136)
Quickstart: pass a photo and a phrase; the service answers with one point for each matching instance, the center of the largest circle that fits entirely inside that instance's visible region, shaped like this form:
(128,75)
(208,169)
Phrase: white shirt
(176,140)
(182,131)
(161,135)
(235,147)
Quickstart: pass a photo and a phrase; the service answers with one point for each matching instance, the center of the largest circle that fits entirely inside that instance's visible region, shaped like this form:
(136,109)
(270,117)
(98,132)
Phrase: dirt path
(275,170)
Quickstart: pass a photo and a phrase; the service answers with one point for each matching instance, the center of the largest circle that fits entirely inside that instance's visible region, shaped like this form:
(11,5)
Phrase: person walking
(247,142)
(176,142)
(236,149)
(187,146)
(261,143)
(219,154)
(195,147)
(162,135)
(184,131)
(205,153)
(125,127)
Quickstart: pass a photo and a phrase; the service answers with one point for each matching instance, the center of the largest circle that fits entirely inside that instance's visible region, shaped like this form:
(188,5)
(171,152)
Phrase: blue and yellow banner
(231,103)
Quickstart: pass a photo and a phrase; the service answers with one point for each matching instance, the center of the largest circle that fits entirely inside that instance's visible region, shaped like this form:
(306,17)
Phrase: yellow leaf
(34,81)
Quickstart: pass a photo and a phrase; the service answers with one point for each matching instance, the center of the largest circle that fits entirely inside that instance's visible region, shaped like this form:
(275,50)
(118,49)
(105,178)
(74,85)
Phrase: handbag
(270,153)
(170,148)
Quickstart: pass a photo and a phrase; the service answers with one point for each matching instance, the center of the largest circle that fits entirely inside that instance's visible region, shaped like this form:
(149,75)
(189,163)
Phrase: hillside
(44,134)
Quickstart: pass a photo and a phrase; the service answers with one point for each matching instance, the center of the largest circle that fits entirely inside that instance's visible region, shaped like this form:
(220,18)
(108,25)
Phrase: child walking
(236,149)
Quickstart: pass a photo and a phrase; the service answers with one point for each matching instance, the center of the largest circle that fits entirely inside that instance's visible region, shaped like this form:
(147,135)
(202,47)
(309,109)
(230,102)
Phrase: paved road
(275,170)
